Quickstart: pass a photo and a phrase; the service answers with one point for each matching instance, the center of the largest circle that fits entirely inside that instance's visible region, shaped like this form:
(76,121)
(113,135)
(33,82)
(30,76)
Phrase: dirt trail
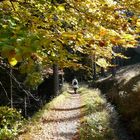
(61,122)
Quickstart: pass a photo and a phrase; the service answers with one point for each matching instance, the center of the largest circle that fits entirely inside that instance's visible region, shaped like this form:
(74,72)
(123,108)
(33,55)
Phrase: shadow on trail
(68,135)
(68,109)
(64,119)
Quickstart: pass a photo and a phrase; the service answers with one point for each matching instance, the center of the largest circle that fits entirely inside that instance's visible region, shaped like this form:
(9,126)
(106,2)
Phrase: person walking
(75,85)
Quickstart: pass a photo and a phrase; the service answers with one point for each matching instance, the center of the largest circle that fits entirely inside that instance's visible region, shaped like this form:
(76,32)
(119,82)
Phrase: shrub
(97,127)
(10,122)
(93,105)
(92,100)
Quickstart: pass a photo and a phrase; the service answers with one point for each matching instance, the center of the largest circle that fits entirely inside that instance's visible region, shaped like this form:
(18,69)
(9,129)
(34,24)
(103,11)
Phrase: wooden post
(56,79)
(11,88)
(25,106)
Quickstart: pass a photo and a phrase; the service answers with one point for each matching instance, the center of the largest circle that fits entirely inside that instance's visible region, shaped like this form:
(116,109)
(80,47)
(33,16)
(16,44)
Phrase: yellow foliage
(12,61)
(103,32)
(102,63)
(138,23)
(69,35)
(81,25)
(61,8)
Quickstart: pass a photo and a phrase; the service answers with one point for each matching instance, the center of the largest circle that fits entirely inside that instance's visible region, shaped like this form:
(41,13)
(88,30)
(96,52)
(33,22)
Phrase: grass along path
(101,121)
(83,116)
(96,124)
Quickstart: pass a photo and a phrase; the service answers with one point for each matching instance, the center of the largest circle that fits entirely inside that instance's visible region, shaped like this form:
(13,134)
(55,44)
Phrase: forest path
(60,122)
(61,119)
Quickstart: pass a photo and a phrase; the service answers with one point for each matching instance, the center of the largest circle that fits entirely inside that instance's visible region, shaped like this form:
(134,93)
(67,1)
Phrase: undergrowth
(10,123)
(96,124)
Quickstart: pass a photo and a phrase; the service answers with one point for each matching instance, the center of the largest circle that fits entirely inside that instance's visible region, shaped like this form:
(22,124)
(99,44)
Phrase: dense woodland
(44,43)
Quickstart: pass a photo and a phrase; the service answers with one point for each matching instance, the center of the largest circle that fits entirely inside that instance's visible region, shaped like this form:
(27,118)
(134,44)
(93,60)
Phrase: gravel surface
(61,122)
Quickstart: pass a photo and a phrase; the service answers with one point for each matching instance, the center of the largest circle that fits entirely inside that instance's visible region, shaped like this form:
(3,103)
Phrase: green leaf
(61,8)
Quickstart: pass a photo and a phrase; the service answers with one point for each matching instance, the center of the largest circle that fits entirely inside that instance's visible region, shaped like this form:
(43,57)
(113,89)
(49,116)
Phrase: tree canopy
(40,32)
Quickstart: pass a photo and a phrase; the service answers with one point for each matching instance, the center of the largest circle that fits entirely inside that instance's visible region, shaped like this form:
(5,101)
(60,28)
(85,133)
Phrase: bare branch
(4,90)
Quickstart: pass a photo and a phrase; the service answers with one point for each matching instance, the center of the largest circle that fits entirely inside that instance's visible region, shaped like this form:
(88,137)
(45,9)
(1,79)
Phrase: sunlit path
(83,116)
(47,43)
(61,122)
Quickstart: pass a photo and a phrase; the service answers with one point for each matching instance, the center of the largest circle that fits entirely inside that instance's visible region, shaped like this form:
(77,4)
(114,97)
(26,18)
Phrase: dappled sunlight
(96,124)
(45,43)
(126,77)
(61,120)
(64,118)
(125,74)
(82,116)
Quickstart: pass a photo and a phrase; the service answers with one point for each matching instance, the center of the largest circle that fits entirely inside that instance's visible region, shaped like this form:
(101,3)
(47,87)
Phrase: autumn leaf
(61,8)
(102,63)
(69,35)
(12,61)
(138,23)
(102,43)
(103,32)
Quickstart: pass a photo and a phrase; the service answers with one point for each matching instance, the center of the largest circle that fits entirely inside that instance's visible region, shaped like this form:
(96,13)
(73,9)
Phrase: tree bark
(94,67)
(102,72)
(55,79)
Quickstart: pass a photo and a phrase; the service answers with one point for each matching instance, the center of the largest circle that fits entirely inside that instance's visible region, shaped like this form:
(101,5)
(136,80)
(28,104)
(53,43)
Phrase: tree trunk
(102,71)
(113,69)
(94,67)
(56,79)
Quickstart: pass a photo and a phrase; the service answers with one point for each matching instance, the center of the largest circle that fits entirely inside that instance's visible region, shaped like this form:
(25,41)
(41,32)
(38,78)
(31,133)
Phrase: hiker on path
(75,85)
